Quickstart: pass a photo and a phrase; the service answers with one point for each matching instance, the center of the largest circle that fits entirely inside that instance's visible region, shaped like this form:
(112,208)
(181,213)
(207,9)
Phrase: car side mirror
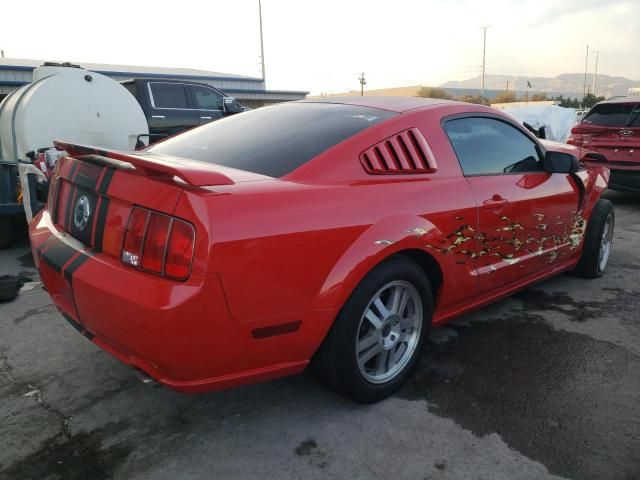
(559,162)
(230,106)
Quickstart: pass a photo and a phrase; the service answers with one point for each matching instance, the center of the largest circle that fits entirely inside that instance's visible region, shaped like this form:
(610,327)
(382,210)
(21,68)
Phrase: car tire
(6,232)
(597,241)
(368,360)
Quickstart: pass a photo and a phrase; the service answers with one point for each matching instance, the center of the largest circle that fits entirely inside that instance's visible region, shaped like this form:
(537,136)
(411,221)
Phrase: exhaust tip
(143,377)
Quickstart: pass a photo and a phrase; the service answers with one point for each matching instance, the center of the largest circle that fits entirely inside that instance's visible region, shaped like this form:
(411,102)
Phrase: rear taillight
(180,250)
(133,236)
(155,242)
(158,243)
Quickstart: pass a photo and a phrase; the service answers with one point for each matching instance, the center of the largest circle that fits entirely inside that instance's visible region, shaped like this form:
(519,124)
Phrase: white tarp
(556,120)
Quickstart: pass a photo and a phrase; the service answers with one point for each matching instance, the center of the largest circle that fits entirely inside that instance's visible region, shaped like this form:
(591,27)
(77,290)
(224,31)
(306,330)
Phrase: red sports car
(612,129)
(334,232)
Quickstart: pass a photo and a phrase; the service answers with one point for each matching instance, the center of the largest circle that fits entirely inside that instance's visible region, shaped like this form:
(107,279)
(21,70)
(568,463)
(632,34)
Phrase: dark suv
(612,128)
(174,106)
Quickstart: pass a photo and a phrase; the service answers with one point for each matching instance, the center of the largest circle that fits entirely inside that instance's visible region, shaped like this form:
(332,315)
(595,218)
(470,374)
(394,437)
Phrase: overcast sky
(322,45)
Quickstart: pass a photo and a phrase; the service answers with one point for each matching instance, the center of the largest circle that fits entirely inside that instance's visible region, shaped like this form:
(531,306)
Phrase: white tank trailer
(64,102)
(71,104)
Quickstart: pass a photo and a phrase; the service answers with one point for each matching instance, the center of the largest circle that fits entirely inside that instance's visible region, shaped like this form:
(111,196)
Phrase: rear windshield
(614,115)
(273,140)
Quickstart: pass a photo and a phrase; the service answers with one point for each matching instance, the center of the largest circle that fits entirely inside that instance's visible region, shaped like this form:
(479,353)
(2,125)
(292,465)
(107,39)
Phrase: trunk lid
(94,190)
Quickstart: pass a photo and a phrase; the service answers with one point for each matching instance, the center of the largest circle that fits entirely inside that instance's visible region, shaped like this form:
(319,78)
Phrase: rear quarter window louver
(406,152)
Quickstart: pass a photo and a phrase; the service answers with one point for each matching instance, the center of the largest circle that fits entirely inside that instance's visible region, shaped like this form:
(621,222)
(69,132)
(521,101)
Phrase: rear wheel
(598,240)
(380,332)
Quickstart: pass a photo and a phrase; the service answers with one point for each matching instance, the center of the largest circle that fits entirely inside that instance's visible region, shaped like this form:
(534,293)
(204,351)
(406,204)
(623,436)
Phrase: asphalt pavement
(543,385)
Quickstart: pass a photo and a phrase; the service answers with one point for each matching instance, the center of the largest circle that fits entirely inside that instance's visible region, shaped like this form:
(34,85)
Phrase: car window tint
(131,86)
(634,121)
(613,114)
(206,98)
(485,146)
(169,95)
(273,140)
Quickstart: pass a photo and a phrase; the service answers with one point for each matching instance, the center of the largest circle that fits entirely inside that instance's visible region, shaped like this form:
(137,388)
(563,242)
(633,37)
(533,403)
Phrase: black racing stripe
(86,181)
(73,323)
(106,180)
(100,223)
(77,326)
(67,212)
(74,168)
(54,197)
(74,265)
(58,254)
(44,245)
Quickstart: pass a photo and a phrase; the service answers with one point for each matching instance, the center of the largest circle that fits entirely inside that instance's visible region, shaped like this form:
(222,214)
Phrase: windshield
(614,115)
(274,140)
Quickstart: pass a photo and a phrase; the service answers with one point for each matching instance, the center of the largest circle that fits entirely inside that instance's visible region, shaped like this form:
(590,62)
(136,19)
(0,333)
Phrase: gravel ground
(545,384)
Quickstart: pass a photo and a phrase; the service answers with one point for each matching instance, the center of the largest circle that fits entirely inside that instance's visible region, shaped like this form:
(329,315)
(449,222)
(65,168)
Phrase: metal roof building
(249,91)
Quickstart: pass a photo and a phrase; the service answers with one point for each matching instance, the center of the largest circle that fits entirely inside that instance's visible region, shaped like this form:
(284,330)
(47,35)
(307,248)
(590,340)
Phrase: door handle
(495,201)
(205,118)
(157,116)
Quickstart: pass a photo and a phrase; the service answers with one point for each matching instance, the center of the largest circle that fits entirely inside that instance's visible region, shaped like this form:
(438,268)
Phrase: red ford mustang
(327,232)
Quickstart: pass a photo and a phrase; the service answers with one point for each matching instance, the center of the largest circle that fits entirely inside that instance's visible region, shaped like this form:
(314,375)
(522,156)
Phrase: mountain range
(567,84)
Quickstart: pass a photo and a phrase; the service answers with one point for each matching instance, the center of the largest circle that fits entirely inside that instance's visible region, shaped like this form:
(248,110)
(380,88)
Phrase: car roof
(622,100)
(394,104)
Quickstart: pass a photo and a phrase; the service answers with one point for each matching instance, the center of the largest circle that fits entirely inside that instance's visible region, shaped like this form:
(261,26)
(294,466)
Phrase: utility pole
(261,43)
(484,51)
(507,86)
(595,74)
(586,66)
(363,82)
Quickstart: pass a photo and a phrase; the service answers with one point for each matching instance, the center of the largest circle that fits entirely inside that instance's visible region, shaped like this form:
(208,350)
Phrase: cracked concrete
(540,386)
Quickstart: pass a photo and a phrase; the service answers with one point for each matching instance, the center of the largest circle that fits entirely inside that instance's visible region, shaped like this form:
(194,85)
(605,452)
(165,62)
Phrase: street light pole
(484,51)
(586,66)
(261,43)
(595,74)
(363,82)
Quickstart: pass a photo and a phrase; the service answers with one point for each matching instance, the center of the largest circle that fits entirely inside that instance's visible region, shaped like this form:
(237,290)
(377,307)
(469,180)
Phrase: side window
(206,98)
(168,95)
(485,146)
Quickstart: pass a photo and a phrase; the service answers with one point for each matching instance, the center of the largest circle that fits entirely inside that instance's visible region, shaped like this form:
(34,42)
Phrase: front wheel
(598,240)
(380,332)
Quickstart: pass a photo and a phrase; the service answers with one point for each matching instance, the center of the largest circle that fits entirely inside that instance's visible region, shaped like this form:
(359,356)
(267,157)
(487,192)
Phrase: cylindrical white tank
(69,104)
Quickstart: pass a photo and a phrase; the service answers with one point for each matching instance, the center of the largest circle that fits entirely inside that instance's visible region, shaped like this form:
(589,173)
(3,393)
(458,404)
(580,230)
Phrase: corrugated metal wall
(251,90)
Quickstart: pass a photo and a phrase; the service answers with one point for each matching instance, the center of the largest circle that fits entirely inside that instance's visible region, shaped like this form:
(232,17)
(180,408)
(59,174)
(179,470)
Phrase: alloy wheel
(389,331)
(605,243)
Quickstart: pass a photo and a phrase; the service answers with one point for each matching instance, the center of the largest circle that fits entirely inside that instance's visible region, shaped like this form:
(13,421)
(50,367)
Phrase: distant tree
(505,97)
(539,97)
(567,102)
(590,100)
(473,99)
(434,92)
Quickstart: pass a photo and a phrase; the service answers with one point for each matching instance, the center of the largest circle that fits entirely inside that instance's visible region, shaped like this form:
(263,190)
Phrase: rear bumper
(179,333)
(625,180)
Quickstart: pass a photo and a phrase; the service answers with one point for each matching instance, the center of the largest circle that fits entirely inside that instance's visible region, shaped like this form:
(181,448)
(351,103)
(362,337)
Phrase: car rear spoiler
(193,173)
